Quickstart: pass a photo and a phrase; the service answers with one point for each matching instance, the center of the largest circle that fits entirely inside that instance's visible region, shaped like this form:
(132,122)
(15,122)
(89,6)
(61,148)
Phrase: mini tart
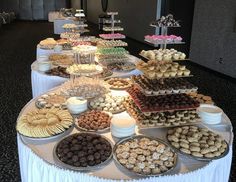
(159,74)
(149,92)
(180,73)
(186,72)
(151,74)
(166,74)
(182,68)
(207,98)
(173,73)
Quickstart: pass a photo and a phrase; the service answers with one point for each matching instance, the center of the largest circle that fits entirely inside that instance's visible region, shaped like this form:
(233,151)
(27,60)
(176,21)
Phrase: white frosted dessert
(122,127)
(76,105)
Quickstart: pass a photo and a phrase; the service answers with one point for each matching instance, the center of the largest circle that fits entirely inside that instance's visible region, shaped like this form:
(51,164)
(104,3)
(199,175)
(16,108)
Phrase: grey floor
(17,51)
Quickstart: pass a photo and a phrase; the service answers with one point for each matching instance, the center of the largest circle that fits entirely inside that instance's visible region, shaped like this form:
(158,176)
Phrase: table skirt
(34,169)
(41,83)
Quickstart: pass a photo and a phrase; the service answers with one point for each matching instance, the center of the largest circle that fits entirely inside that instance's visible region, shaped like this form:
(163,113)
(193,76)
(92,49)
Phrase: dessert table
(42,82)
(59,22)
(37,162)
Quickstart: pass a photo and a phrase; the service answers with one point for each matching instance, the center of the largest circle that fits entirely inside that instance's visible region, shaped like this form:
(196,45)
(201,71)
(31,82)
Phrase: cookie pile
(121,66)
(93,121)
(58,71)
(197,142)
(145,156)
(83,150)
(44,122)
(119,83)
(109,103)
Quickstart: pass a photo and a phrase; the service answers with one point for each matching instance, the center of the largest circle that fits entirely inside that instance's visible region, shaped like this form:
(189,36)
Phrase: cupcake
(148,92)
(176,56)
(156,92)
(182,56)
(173,69)
(163,69)
(166,74)
(173,73)
(182,68)
(151,74)
(159,58)
(159,74)
(179,73)
(186,72)
(162,92)
(176,91)
(169,91)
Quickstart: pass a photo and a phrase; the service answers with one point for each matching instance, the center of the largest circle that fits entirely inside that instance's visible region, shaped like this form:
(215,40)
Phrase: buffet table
(42,82)
(37,163)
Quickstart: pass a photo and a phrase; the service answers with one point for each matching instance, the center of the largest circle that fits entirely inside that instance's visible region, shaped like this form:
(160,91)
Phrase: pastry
(84,69)
(108,103)
(58,71)
(111,43)
(198,142)
(201,98)
(145,156)
(93,121)
(160,119)
(119,83)
(84,87)
(48,43)
(84,150)
(157,70)
(51,100)
(162,39)
(163,55)
(166,21)
(161,102)
(44,122)
(112,36)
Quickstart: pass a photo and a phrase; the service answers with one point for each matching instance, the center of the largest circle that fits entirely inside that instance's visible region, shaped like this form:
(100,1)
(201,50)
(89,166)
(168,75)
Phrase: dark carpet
(18,50)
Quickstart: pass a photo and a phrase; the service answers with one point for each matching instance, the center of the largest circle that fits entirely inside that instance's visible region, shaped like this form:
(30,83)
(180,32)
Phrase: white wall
(134,14)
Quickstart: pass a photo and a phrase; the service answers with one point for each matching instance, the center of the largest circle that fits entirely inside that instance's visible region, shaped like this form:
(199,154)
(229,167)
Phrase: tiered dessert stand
(164,32)
(162,81)
(80,21)
(112,28)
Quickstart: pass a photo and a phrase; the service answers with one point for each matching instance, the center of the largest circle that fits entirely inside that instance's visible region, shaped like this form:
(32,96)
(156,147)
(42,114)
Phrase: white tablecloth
(41,82)
(35,169)
(59,22)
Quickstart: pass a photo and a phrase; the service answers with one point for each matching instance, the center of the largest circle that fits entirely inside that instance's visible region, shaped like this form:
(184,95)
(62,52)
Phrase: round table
(42,82)
(37,163)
